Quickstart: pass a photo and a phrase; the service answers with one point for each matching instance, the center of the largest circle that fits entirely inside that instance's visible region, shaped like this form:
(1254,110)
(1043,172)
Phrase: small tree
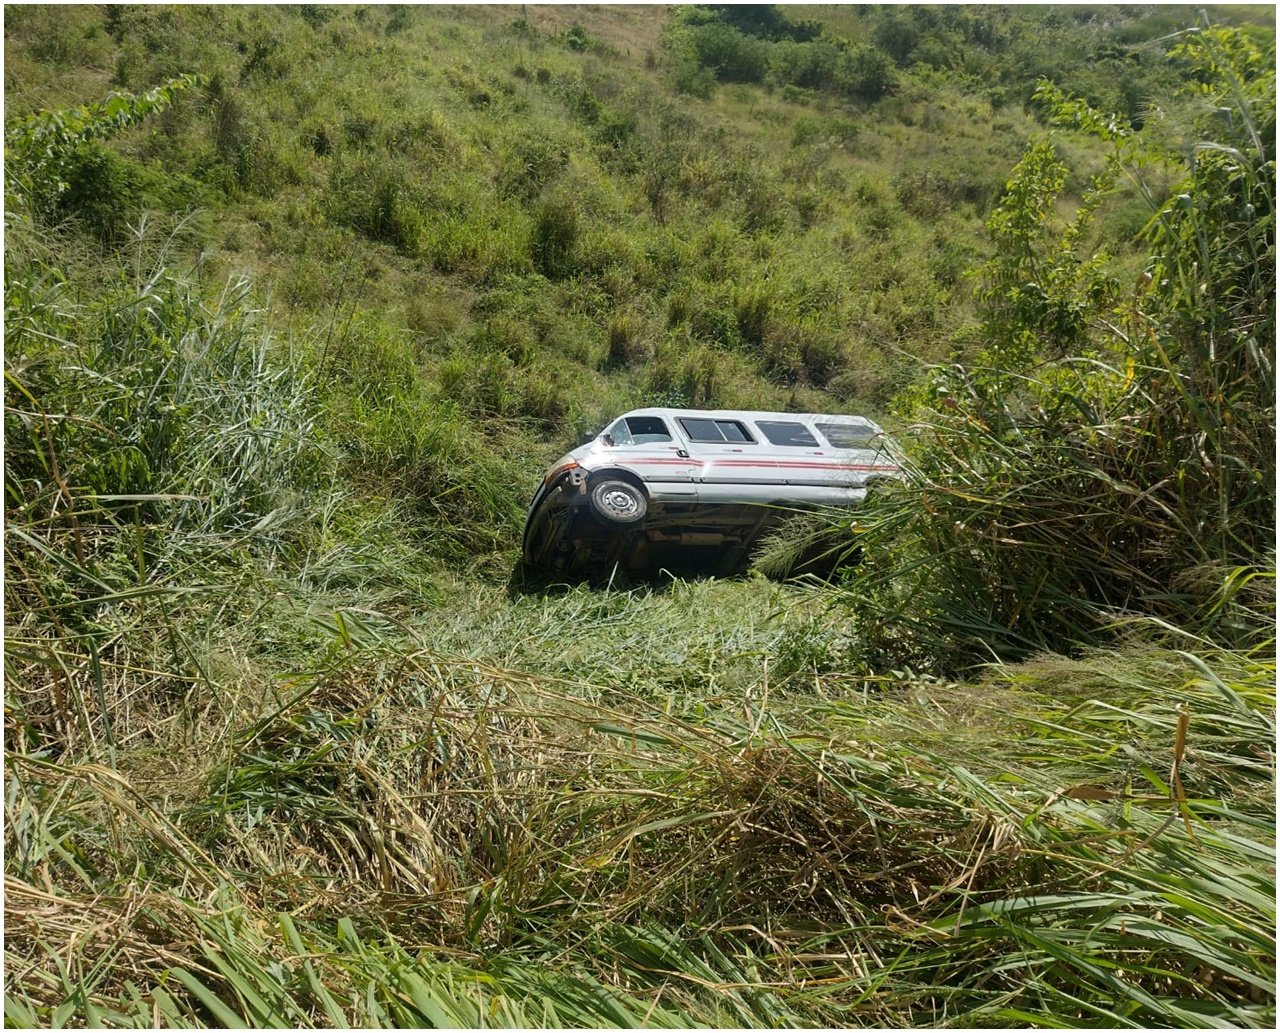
(42,148)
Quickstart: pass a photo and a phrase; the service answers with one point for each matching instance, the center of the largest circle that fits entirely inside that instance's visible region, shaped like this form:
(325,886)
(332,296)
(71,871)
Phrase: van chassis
(686,538)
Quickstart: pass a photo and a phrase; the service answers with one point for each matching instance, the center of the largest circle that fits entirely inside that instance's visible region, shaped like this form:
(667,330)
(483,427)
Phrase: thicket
(1107,55)
(746,45)
(1111,451)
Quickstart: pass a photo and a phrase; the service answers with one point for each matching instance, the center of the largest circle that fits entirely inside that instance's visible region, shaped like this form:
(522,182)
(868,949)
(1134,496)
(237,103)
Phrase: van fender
(612,473)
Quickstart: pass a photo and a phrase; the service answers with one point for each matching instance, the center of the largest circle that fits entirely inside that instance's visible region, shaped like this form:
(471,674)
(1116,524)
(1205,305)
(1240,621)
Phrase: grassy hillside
(300,301)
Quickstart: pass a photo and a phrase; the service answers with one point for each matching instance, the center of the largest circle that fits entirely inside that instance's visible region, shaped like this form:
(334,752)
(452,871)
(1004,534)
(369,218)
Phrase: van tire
(619,503)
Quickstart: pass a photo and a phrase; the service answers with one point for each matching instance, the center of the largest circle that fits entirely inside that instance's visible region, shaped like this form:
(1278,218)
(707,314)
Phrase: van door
(735,466)
(646,446)
(801,456)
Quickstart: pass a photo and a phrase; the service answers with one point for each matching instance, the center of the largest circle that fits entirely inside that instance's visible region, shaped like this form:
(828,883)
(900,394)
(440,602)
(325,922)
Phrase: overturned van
(693,491)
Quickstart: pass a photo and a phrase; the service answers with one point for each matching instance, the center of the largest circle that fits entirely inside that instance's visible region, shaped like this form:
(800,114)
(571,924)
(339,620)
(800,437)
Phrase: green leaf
(224,1015)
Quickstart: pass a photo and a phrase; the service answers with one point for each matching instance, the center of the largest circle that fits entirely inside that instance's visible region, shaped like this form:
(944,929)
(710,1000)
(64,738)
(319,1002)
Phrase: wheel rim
(618,503)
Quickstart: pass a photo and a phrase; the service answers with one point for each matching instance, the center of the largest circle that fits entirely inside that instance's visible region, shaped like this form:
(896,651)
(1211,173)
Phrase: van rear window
(844,435)
(715,430)
(785,432)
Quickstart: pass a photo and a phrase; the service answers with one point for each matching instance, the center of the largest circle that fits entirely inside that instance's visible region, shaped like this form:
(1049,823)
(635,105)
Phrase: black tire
(618,503)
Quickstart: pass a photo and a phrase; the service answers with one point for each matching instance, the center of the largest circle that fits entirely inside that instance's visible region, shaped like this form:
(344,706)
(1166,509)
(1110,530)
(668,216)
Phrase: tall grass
(857,854)
(282,746)
(159,451)
(1049,499)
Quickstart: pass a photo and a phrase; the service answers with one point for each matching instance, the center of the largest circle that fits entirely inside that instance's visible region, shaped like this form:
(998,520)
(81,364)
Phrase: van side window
(645,430)
(845,435)
(716,431)
(785,432)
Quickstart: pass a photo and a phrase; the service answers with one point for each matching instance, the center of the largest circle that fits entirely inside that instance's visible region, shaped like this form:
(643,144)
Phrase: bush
(42,148)
(725,51)
(897,37)
(868,75)
(102,190)
(688,77)
(555,238)
(812,66)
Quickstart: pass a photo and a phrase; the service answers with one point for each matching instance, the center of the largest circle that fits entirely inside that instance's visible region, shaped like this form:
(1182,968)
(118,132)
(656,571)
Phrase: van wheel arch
(614,474)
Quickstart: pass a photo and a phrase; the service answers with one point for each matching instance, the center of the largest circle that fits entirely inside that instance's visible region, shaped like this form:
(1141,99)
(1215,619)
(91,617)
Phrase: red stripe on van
(803,465)
(768,464)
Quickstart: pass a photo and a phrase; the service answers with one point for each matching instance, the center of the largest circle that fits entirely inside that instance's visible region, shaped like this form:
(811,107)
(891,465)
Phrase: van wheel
(618,502)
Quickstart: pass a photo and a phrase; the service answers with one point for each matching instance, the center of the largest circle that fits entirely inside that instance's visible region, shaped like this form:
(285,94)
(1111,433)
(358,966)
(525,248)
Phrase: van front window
(645,430)
(619,434)
(638,430)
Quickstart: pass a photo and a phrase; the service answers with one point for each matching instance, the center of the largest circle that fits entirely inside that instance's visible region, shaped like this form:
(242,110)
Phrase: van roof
(752,414)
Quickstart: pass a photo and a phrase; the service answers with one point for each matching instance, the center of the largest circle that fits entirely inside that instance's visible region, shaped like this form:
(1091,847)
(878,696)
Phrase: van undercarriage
(687,539)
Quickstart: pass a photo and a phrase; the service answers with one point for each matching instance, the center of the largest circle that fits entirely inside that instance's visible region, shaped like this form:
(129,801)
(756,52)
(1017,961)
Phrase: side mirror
(587,437)
(607,439)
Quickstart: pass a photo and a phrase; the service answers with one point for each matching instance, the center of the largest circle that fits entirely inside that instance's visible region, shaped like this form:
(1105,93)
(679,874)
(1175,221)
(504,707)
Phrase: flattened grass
(413,832)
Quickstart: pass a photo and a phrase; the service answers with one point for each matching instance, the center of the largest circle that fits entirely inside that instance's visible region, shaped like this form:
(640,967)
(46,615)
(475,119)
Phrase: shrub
(101,189)
(555,238)
(897,37)
(42,148)
(868,75)
(811,66)
(725,51)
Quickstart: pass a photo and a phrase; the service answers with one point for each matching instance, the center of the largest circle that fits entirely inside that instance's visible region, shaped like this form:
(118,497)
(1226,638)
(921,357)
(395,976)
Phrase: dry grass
(750,864)
(281,750)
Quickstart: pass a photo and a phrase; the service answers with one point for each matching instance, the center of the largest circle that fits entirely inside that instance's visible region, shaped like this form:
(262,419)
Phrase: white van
(690,489)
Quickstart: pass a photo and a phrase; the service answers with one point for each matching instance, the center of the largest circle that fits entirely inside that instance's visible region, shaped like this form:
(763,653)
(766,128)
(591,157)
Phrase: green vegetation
(300,301)
(1112,449)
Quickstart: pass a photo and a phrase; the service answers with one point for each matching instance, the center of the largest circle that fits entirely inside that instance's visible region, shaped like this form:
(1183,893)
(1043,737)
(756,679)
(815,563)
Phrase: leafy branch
(40,145)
